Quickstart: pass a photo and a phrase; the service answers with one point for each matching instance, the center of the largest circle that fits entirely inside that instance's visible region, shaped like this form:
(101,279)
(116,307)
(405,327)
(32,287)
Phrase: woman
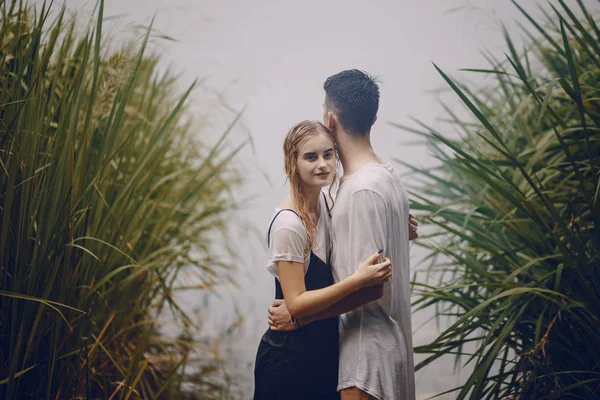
(303,364)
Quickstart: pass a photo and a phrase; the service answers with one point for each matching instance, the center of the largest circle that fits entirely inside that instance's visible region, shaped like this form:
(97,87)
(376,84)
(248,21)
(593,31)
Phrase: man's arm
(348,303)
(281,320)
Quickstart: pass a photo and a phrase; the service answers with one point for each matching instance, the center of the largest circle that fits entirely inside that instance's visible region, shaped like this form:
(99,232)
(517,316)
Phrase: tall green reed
(107,195)
(514,203)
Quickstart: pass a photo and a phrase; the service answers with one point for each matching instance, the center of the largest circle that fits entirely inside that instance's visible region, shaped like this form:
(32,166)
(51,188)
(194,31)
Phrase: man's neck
(355,152)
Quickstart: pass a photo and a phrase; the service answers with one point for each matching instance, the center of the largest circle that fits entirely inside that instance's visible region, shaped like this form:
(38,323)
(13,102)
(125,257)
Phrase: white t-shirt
(376,352)
(288,239)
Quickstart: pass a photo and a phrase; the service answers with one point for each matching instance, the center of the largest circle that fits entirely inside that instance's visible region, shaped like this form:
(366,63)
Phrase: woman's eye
(328,156)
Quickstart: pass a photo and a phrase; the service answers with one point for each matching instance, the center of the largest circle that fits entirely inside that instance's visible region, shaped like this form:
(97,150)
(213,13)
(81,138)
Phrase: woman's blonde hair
(295,138)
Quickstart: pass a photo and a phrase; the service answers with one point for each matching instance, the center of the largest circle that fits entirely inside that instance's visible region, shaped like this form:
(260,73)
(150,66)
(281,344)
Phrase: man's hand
(412,227)
(279,317)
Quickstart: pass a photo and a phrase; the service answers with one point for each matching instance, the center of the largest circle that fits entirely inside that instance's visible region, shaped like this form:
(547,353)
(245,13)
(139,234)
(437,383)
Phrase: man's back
(371,212)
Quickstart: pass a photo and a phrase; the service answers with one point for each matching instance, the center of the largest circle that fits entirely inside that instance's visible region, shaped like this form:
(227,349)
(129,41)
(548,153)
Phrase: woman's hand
(369,273)
(413,224)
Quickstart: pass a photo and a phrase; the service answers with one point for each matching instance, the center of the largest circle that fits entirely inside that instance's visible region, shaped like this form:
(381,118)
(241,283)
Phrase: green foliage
(515,248)
(105,198)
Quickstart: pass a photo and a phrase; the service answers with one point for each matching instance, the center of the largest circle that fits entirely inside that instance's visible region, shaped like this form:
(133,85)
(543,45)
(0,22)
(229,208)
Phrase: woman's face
(316,161)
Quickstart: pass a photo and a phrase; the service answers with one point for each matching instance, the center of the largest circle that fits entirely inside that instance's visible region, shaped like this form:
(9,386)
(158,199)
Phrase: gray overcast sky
(273,56)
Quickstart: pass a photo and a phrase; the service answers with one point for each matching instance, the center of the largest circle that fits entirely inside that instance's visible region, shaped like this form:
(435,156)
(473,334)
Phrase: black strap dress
(300,364)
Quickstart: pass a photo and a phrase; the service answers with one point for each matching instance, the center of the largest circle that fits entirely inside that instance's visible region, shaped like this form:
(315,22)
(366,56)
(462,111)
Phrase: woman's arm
(279,316)
(301,302)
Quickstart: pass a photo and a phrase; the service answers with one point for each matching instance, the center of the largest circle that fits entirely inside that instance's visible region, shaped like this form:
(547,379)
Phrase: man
(371,210)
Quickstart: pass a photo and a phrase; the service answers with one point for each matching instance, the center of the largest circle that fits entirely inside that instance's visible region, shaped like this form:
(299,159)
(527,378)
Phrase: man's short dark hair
(354,96)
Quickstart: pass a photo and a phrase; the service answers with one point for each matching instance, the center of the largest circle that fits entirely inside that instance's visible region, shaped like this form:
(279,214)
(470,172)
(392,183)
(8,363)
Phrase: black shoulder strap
(326,204)
(273,220)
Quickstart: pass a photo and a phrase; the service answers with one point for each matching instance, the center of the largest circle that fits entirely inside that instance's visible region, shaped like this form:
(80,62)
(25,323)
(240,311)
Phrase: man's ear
(374,120)
(331,121)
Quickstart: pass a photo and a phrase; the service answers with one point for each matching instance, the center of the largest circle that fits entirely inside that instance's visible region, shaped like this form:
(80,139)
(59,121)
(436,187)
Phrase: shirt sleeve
(366,213)
(286,243)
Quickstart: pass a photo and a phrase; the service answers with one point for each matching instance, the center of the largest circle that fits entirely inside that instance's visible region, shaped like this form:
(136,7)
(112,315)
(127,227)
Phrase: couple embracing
(340,325)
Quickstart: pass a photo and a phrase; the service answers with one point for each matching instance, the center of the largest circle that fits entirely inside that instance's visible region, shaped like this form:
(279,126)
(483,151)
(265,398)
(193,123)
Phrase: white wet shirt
(288,239)
(370,213)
